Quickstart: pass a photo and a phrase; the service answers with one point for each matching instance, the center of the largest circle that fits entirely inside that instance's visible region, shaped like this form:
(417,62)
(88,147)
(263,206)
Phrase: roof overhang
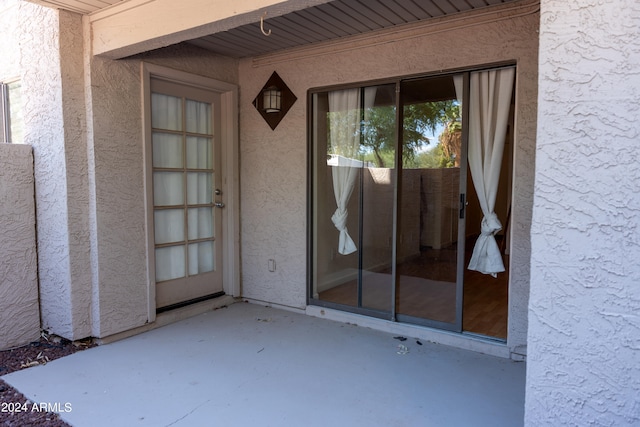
(123,28)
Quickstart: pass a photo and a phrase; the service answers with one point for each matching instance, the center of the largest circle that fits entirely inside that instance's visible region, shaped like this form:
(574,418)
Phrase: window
(392,169)
(11,123)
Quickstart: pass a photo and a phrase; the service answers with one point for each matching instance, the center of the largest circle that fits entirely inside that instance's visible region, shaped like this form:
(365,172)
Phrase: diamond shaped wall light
(274,100)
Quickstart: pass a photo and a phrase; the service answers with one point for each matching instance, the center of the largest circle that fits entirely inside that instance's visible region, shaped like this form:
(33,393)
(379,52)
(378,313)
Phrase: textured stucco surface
(19,310)
(9,30)
(37,38)
(75,149)
(584,324)
(83,117)
(274,163)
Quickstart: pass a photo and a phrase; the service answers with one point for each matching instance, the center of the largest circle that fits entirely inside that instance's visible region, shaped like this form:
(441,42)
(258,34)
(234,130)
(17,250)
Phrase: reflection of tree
(346,125)
(378,133)
(450,139)
(425,118)
(419,120)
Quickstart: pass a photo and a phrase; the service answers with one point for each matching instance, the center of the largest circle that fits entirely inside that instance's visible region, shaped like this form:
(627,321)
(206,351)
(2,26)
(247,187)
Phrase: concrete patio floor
(249,365)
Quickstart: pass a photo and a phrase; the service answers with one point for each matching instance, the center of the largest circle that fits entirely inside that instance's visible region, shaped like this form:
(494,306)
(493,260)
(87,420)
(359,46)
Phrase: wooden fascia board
(137,26)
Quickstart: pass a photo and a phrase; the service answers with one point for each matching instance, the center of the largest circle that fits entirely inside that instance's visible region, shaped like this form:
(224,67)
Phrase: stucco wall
(83,118)
(274,163)
(584,325)
(117,172)
(35,35)
(19,310)
(9,30)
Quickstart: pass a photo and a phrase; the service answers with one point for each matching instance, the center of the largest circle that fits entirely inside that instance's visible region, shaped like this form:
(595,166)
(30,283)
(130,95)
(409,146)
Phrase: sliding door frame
(392,315)
(462,193)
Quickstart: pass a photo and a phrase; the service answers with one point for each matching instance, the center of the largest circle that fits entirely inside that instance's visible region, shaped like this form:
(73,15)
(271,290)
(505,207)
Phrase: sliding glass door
(430,244)
(354,197)
(379,205)
(389,185)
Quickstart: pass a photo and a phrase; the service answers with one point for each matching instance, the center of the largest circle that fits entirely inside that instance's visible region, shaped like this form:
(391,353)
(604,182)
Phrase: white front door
(187,192)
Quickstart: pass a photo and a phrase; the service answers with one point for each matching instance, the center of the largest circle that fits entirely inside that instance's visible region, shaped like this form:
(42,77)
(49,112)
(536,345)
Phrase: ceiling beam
(136,26)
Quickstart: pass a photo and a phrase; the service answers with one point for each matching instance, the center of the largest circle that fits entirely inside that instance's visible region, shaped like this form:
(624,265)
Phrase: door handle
(219,205)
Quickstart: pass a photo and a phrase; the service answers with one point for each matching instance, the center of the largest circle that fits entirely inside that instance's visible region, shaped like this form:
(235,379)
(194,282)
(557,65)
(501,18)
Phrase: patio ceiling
(333,20)
(322,22)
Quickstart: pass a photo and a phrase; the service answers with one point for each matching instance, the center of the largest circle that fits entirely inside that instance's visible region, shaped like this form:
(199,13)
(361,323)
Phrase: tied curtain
(489,103)
(173,153)
(345,121)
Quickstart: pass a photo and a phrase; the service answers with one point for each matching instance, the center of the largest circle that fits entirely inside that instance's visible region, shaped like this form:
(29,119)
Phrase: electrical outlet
(272,265)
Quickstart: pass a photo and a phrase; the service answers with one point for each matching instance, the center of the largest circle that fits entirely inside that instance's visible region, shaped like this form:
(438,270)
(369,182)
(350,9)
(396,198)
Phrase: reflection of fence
(19,309)
(428,216)
(440,205)
(428,210)
(338,160)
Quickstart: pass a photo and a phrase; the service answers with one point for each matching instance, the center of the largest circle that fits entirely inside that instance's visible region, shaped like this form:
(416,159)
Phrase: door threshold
(172,316)
(189,302)
(485,337)
(452,339)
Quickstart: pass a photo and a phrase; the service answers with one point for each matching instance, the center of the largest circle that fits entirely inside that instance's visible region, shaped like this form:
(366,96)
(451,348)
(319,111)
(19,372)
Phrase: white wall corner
(583,347)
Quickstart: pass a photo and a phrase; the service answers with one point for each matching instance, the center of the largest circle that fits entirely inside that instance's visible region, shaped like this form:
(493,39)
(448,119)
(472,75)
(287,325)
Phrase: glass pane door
(394,203)
(354,182)
(429,260)
(185,175)
(386,218)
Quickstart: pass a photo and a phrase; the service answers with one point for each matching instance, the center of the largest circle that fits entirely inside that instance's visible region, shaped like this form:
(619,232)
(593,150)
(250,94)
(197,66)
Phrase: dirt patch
(15,409)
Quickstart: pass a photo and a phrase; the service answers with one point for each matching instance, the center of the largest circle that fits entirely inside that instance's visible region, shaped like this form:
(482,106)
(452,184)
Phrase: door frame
(230,173)
(312,297)
(456,326)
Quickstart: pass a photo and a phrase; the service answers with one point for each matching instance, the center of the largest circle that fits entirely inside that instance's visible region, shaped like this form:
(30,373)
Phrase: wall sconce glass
(274,100)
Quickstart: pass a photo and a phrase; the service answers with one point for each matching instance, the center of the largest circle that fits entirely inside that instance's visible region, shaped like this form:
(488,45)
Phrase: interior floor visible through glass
(485,306)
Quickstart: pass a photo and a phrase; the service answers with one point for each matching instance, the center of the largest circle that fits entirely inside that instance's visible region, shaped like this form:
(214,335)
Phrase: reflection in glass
(429,200)
(354,136)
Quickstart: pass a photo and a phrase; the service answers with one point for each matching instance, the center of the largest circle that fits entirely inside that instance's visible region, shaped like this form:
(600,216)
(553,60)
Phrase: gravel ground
(15,409)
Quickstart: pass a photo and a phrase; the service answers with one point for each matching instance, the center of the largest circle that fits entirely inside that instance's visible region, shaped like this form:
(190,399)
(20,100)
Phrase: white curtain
(458,82)
(169,186)
(489,103)
(344,131)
